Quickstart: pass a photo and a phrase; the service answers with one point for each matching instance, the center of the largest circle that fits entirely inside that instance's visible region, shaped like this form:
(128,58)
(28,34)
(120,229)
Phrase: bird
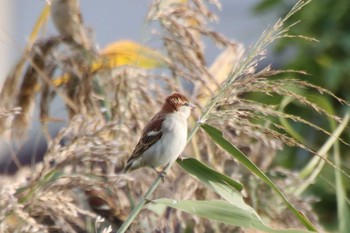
(164,138)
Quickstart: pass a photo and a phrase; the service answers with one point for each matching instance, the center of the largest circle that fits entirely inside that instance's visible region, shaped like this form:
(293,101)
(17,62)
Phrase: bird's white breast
(171,144)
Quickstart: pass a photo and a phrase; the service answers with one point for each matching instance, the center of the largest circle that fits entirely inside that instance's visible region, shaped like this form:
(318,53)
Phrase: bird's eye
(186,104)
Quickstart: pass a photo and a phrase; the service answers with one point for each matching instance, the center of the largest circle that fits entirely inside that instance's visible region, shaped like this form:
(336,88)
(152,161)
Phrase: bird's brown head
(177,102)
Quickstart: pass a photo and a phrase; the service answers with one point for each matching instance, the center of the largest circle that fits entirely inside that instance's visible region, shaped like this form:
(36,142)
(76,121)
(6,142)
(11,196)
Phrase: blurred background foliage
(256,108)
(328,63)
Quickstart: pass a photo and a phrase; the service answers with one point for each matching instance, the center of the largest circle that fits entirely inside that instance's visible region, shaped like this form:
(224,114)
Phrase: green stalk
(342,207)
(314,167)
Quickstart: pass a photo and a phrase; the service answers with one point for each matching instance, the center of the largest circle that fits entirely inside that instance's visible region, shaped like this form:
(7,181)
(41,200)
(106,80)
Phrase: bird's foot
(161,174)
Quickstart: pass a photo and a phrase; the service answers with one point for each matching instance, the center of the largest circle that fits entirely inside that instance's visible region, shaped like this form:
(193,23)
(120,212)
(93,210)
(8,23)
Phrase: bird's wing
(151,134)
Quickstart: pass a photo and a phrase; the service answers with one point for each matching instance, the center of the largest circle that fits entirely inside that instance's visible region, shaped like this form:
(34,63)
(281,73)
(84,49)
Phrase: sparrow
(164,137)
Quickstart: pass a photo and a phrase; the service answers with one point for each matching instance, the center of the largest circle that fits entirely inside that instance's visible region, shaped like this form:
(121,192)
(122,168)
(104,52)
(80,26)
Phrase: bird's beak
(192,106)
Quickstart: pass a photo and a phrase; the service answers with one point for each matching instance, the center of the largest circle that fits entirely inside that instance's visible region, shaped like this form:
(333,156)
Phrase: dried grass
(79,177)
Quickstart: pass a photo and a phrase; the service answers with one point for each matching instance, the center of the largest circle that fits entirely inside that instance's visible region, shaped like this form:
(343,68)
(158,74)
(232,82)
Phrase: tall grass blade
(224,212)
(342,206)
(314,167)
(207,175)
(218,137)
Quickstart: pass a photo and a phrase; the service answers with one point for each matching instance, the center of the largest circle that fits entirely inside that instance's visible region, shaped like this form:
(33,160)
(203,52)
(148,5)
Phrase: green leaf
(318,100)
(343,208)
(207,175)
(313,168)
(223,212)
(218,137)
(219,183)
(288,128)
(324,103)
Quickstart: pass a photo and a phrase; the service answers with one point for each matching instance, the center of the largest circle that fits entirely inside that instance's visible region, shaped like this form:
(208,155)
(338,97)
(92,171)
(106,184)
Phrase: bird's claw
(162,175)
